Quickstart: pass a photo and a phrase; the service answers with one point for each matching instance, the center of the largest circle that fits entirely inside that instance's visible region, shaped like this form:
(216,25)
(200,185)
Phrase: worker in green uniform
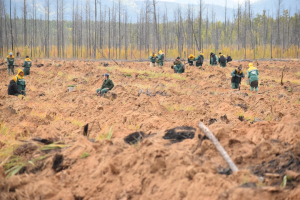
(236,79)
(152,58)
(178,66)
(213,59)
(252,74)
(199,59)
(20,81)
(27,65)
(10,63)
(191,59)
(106,86)
(161,57)
(222,60)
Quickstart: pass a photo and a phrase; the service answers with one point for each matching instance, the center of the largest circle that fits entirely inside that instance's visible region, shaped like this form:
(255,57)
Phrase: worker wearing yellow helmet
(191,59)
(152,59)
(161,57)
(252,74)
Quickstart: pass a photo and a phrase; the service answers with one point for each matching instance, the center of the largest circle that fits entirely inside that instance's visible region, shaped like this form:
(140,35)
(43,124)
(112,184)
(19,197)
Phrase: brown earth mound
(75,145)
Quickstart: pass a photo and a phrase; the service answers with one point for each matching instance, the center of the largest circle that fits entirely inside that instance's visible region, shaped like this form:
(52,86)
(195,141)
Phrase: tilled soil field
(56,144)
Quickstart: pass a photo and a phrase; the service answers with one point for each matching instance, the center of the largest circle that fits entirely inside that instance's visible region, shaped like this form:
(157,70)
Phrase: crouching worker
(191,59)
(20,82)
(152,59)
(27,65)
(13,89)
(106,86)
(236,79)
(199,59)
(252,74)
(178,66)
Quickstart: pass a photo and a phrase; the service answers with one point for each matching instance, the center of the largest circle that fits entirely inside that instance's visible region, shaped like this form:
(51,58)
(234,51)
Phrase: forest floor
(44,151)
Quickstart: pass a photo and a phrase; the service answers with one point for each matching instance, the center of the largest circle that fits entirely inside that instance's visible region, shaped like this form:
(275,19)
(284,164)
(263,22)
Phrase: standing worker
(199,59)
(106,86)
(10,63)
(26,65)
(213,59)
(152,58)
(222,60)
(20,81)
(161,57)
(191,59)
(236,79)
(252,74)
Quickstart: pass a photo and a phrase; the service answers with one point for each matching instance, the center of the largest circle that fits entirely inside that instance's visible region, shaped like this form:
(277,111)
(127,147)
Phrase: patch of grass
(273,99)
(54,146)
(71,77)
(37,114)
(240,113)
(84,155)
(249,118)
(269,118)
(298,73)
(106,136)
(128,74)
(295,81)
(60,74)
(14,165)
(78,123)
(297,102)
(179,107)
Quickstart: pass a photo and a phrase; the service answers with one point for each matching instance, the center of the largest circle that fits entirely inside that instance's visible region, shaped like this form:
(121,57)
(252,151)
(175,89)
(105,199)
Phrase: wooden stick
(218,146)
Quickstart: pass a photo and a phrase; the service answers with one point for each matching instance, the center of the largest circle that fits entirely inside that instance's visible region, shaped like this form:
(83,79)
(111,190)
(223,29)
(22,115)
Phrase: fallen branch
(218,146)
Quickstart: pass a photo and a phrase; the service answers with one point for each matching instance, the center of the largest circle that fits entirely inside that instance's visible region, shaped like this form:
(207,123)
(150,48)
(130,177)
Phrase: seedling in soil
(107,136)
(269,118)
(284,181)
(16,163)
(84,155)
(54,146)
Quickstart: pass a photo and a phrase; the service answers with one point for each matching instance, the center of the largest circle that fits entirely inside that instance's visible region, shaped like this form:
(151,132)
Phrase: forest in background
(108,33)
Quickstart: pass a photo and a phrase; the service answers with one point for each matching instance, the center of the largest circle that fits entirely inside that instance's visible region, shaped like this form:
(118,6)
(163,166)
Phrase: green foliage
(106,136)
(84,155)
(78,123)
(16,163)
(54,146)
(284,181)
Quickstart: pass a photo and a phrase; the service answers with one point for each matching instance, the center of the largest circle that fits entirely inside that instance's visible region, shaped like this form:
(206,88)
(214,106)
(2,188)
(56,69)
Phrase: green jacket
(21,84)
(179,68)
(10,61)
(213,60)
(27,64)
(196,59)
(161,57)
(222,64)
(237,77)
(107,84)
(152,59)
(252,74)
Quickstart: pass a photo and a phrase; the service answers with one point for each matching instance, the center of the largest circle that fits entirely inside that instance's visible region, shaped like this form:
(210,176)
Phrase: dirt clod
(179,134)
(134,138)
